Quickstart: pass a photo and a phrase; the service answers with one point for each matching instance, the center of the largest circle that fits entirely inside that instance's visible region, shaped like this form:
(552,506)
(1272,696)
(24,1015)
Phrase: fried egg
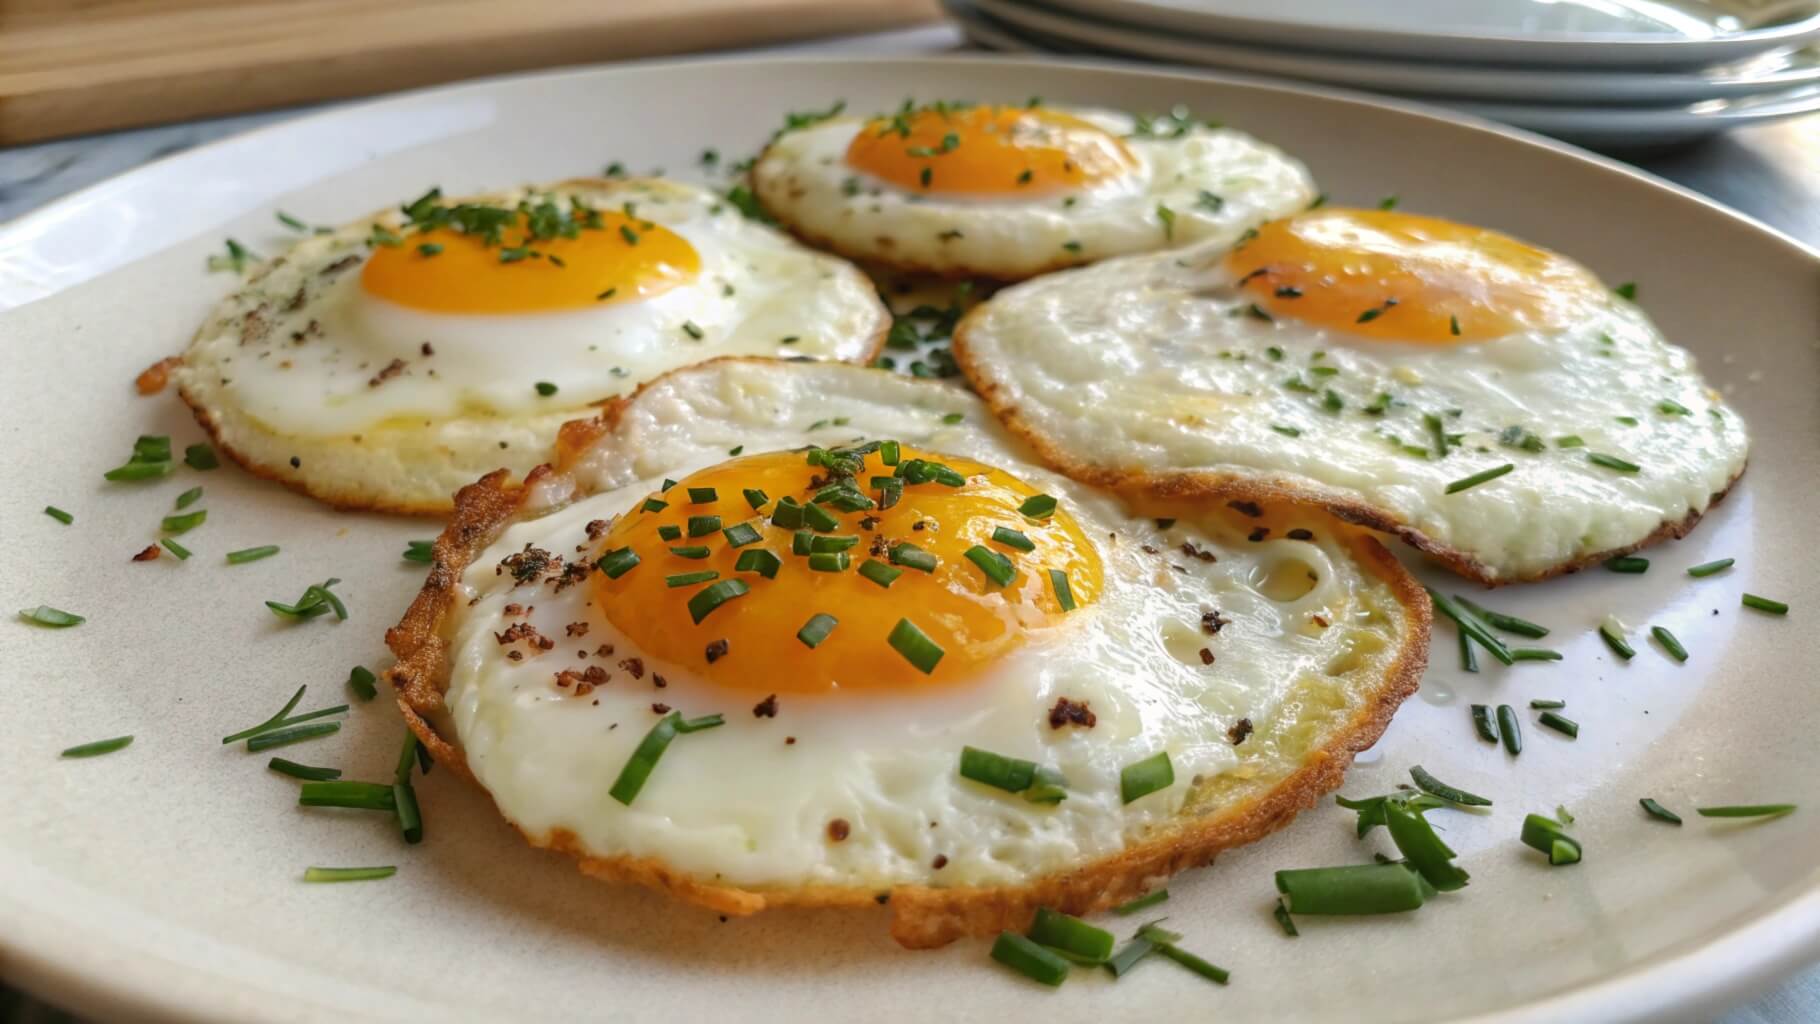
(1010,192)
(819,587)
(1491,402)
(386,363)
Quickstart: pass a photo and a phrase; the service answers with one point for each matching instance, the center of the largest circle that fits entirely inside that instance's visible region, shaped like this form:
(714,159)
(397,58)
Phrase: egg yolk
(904,560)
(1401,277)
(623,259)
(987,151)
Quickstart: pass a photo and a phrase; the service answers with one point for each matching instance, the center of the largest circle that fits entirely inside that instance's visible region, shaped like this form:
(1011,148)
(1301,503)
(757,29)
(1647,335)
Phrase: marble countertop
(1770,172)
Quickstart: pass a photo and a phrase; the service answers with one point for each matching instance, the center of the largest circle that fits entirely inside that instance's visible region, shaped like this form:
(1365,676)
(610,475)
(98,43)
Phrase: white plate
(163,880)
(1585,33)
(1768,72)
(1637,127)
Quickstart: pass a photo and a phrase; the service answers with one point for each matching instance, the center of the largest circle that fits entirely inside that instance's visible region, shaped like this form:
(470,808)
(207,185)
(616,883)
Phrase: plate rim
(1701,973)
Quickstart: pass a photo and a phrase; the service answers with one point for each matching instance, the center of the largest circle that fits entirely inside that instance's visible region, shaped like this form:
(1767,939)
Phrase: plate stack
(1612,74)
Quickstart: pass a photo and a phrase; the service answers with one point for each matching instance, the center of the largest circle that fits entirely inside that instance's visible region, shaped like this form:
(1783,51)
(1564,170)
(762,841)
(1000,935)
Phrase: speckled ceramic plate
(163,880)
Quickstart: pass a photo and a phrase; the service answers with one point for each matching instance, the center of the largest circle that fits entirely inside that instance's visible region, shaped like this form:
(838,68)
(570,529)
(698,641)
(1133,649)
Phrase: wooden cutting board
(73,66)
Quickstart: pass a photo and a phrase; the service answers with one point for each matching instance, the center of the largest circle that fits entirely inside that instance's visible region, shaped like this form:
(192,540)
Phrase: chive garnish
(1507,623)
(689,579)
(1570,441)
(1070,935)
(1353,889)
(1429,784)
(363,682)
(830,561)
(1129,955)
(759,561)
(703,495)
(1011,774)
(1028,958)
(59,515)
(1281,913)
(170,544)
(1012,538)
(1629,421)
(151,458)
(303,771)
(1612,462)
(1142,902)
(915,646)
(829,542)
(802,542)
(1746,811)
(1037,506)
(1615,640)
(819,519)
(1480,477)
(360,796)
(1627,290)
(618,562)
(995,566)
(45,615)
(1482,723)
(1669,642)
(1566,726)
(1546,835)
(1286,431)
(1142,778)
(1709,568)
(878,572)
(1421,847)
(911,556)
(702,526)
(295,734)
(1545,705)
(1471,625)
(1659,812)
(1212,972)
(1764,604)
(638,767)
(317,600)
(1469,661)
(1508,729)
(420,551)
(817,629)
(740,534)
(1628,564)
(245,555)
(1064,594)
(1534,654)
(545,388)
(669,531)
(185,523)
(755,498)
(654,505)
(200,456)
(692,330)
(98,747)
(348,874)
(713,596)
(188,498)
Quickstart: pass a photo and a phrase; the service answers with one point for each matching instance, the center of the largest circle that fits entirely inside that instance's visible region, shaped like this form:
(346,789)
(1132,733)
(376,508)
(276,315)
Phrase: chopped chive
(1353,889)
(618,562)
(45,615)
(654,505)
(1709,568)
(802,542)
(1508,729)
(151,458)
(1544,834)
(1627,290)
(1746,811)
(740,534)
(362,681)
(1507,623)
(420,551)
(692,330)
(710,597)
(177,549)
(889,452)
(1026,957)
(303,771)
(545,388)
(1612,462)
(404,806)
(702,526)
(1142,778)
(317,600)
(755,498)
(1658,811)
(1482,723)
(188,498)
(703,495)
(1281,913)
(1143,902)
(759,561)
(98,747)
(1421,847)
(1480,477)
(1129,955)
(915,646)
(59,515)
(911,556)
(245,555)
(1546,705)
(1629,421)
(1037,506)
(348,874)
(1615,640)
(1213,973)
(878,572)
(1071,935)
(995,566)
(1669,642)
(638,767)
(669,531)
(1534,654)
(1429,784)
(817,629)
(1470,624)
(200,456)
(1670,407)
(1012,539)
(1764,604)
(953,418)
(1628,564)
(1570,441)
(689,579)
(1011,774)
(1286,431)
(830,561)
(690,551)
(1469,662)
(1064,595)
(828,542)
(185,523)
(286,737)
(819,519)
(1566,726)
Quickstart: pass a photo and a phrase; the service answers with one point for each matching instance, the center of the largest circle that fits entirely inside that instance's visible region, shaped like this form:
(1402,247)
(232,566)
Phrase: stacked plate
(1613,74)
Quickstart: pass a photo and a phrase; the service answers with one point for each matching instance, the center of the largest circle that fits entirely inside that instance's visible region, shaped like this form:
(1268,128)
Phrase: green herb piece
(1616,641)
(1029,959)
(689,579)
(98,747)
(617,563)
(1129,955)
(1629,421)
(1353,889)
(915,646)
(45,615)
(817,629)
(1705,569)
(1508,729)
(1422,847)
(1534,654)
(1143,902)
(1064,595)
(545,388)
(348,874)
(1071,935)
(1480,477)
(420,551)
(59,515)
(702,526)
(1628,564)
(1547,835)
(151,459)
(755,498)
(245,555)
(1213,973)
(911,556)
(200,456)
(1545,705)
(1142,778)
(295,734)
(710,597)
(1627,291)
(1612,462)
(362,796)
(830,561)
(819,519)
(690,551)
(317,600)
(303,771)
(759,561)
(1013,775)
(1427,783)
(694,332)
(1471,625)
(1746,811)
(186,522)
(1037,506)
(1669,642)
(1659,812)
(669,531)
(802,542)
(878,572)
(638,767)
(1670,407)
(1570,441)
(653,505)
(1764,604)
(1566,726)
(182,553)
(188,498)
(1482,723)
(363,682)
(238,256)
(788,514)
(1166,217)
(995,566)
(1507,623)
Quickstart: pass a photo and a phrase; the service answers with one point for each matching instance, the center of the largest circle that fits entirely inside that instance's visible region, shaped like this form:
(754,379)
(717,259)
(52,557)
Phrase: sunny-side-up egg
(1009,192)
(1491,402)
(758,682)
(389,362)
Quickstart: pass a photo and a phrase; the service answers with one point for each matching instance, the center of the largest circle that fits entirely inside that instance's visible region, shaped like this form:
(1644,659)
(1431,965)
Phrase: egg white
(804,180)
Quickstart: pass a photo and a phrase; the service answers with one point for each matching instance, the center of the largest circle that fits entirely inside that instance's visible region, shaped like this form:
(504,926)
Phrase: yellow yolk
(970,618)
(622,260)
(1402,277)
(987,151)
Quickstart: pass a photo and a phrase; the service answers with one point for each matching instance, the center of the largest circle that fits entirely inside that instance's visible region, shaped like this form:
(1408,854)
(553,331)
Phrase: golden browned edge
(1213,487)
(922,916)
(348,500)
